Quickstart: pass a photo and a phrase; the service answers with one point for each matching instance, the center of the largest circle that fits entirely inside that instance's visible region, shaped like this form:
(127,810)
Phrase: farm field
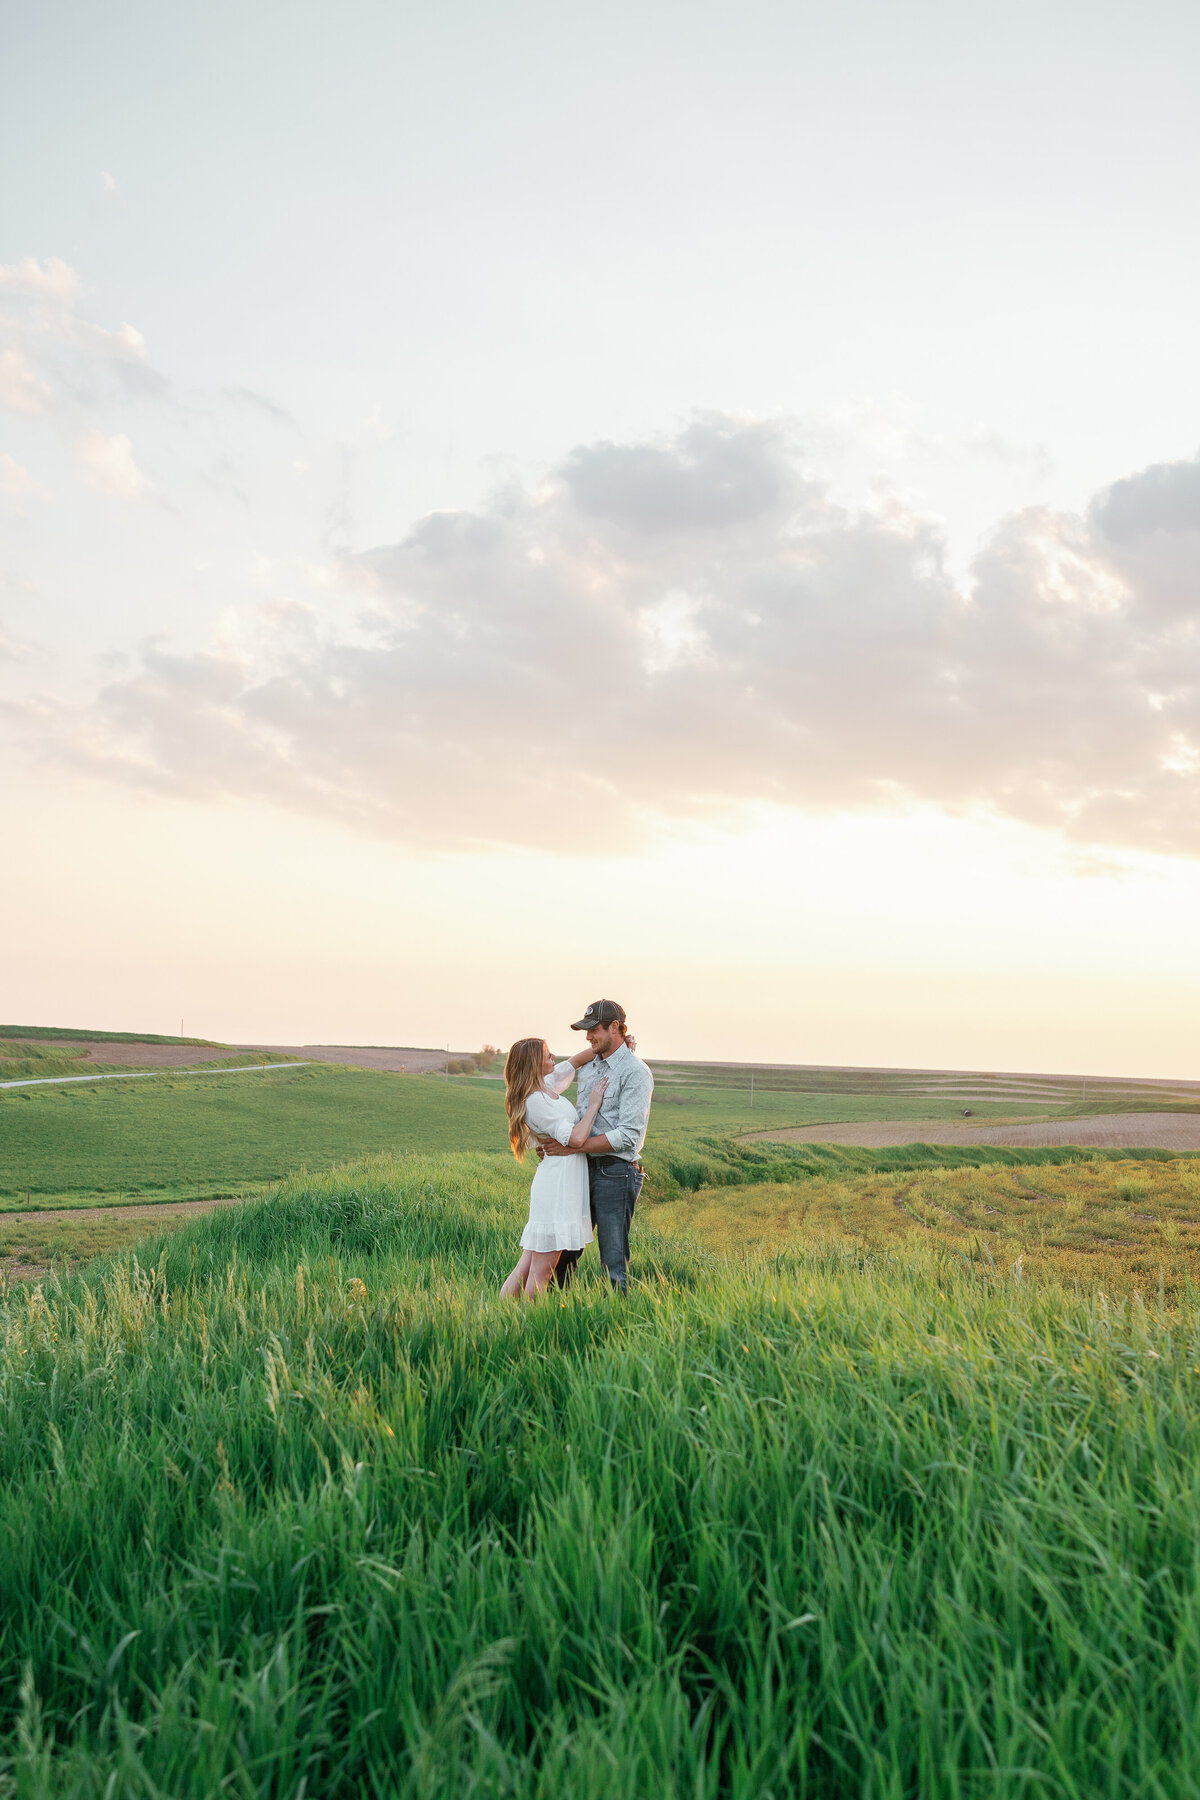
(880,1522)
(177,1137)
(1175,1128)
(1120,1226)
(35,1244)
(961,1086)
(42,1062)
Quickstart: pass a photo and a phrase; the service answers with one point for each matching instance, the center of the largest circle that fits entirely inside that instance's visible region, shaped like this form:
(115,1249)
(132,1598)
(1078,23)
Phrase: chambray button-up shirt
(625,1109)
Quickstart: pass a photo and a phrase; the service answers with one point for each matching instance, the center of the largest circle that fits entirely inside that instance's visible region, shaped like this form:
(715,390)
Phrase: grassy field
(953,1087)
(297,1507)
(1119,1225)
(45,1063)
(176,1136)
(98,1037)
(33,1244)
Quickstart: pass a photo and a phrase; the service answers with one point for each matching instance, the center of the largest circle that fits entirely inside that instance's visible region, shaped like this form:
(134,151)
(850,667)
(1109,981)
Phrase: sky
(692,504)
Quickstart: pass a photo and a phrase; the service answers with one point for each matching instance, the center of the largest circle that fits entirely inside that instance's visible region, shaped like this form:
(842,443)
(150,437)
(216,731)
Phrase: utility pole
(752,1087)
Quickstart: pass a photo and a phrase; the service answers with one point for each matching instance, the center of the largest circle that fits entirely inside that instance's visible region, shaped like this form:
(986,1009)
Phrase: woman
(560,1215)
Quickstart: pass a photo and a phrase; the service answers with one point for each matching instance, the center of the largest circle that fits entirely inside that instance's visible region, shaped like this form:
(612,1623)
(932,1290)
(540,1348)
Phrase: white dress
(560,1214)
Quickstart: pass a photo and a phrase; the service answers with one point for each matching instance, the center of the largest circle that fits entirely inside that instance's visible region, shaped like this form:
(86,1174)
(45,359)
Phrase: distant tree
(486,1057)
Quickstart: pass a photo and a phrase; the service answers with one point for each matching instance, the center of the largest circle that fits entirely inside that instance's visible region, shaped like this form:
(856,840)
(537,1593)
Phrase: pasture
(1115,1224)
(294,1505)
(177,1137)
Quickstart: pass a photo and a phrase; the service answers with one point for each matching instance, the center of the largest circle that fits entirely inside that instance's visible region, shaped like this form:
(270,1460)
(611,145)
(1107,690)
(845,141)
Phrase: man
(615,1174)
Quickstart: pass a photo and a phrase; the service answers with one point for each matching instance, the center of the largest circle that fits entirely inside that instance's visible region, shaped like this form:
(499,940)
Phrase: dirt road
(1107,1131)
(153,1209)
(18,1263)
(142,1075)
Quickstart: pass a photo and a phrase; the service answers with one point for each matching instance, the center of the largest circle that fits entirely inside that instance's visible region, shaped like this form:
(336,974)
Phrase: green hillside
(100,1037)
(177,1135)
(181,1135)
(296,1506)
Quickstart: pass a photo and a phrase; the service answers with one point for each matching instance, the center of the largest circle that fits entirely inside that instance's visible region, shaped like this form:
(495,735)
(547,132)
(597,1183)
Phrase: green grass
(100,1037)
(19,1062)
(47,1064)
(1122,1225)
(954,1085)
(710,1161)
(177,1136)
(36,1242)
(685,1107)
(303,1509)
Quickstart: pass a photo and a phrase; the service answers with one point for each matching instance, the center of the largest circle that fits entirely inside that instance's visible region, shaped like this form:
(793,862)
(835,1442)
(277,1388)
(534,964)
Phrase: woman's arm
(582,1057)
(583,1130)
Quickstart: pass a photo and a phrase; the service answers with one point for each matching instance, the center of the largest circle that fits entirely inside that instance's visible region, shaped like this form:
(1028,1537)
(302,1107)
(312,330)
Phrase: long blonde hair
(524,1073)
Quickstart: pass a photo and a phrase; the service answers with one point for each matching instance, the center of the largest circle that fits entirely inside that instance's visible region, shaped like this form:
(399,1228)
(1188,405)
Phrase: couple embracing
(588,1176)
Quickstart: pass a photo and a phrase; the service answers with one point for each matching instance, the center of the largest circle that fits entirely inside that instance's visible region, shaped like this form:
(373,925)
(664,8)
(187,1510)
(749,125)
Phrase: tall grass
(1124,1227)
(298,1507)
(715,1161)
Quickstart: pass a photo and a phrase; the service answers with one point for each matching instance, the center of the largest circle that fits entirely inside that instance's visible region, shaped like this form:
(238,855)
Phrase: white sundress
(560,1214)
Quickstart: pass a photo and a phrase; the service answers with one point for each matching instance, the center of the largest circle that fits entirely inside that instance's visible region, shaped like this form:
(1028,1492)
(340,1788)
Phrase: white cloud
(21,388)
(17,485)
(687,626)
(12,649)
(108,465)
(51,280)
(53,358)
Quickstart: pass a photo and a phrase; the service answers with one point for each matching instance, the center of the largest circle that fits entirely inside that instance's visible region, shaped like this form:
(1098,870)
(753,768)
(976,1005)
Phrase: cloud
(1165,497)
(108,466)
(261,403)
(716,473)
(52,280)
(53,358)
(17,485)
(21,388)
(686,626)
(12,649)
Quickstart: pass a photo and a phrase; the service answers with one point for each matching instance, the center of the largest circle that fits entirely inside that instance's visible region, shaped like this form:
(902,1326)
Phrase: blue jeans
(615,1185)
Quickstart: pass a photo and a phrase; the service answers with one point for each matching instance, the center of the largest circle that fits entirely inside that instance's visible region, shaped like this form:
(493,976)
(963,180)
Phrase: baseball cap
(600,1012)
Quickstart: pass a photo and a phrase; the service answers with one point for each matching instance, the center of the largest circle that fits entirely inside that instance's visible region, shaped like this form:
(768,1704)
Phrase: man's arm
(633,1109)
(593,1146)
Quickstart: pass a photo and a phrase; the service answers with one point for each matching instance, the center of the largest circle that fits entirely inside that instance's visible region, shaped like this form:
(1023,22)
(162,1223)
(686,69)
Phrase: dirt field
(24,1237)
(132,1056)
(367,1056)
(1107,1131)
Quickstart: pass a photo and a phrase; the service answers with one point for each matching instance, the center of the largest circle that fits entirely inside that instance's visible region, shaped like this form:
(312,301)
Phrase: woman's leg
(541,1271)
(515,1284)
